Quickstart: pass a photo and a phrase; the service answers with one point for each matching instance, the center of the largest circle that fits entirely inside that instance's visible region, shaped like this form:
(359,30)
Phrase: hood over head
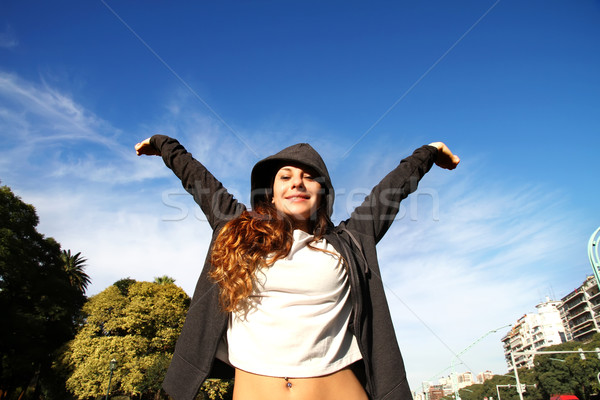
(302,155)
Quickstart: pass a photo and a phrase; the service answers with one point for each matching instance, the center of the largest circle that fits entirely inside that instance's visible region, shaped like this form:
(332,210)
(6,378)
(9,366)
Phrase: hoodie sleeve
(215,201)
(377,212)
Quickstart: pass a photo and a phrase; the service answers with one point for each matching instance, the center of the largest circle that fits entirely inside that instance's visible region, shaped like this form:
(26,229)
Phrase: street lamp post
(111,366)
(593,253)
(512,359)
(498,389)
(457,356)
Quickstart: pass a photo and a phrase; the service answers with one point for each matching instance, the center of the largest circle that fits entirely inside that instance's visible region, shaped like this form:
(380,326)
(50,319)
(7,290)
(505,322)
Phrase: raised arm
(215,201)
(377,212)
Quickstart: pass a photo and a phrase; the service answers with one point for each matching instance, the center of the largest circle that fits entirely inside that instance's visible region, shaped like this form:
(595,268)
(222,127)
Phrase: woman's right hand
(146,148)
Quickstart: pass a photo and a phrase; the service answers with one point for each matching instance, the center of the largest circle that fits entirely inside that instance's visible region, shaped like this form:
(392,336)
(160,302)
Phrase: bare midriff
(341,385)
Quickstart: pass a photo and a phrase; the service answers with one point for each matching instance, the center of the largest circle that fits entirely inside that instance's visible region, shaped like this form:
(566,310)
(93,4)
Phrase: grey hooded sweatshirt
(382,370)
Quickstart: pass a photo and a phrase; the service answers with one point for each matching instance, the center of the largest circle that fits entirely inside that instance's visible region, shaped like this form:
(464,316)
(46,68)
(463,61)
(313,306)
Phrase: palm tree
(74,266)
(164,280)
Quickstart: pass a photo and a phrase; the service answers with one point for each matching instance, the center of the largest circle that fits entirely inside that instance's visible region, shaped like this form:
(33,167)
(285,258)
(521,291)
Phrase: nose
(297,181)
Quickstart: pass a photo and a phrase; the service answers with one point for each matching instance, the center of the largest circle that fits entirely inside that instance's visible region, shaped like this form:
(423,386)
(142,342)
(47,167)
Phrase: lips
(297,197)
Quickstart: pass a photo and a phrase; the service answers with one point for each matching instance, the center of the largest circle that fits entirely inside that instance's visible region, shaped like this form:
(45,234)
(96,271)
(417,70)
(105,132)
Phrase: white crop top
(297,323)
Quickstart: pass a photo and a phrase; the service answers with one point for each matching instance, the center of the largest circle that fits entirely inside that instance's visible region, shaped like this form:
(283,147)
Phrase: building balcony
(589,324)
(580,314)
(590,285)
(539,339)
(583,333)
(594,294)
(579,323)
(570,297)
(575,309)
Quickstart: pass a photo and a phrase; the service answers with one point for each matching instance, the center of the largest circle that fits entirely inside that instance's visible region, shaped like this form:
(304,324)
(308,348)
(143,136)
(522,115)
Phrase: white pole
(512,358)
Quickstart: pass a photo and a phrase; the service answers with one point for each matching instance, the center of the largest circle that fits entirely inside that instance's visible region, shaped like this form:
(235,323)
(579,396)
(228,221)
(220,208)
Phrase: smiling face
(297,194)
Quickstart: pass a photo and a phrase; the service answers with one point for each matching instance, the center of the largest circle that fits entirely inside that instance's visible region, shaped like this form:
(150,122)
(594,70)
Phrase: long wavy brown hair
(253,240)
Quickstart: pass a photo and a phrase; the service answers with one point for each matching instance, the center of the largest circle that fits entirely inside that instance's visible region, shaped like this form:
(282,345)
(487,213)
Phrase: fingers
(138,149)
(454,161)
(445,158)
(144,147)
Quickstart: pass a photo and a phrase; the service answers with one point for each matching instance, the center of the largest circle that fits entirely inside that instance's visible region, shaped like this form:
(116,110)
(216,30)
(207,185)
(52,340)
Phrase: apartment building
(436,392)
(484,376)
(461,381)
(532,332)
(580,311)
(465,379)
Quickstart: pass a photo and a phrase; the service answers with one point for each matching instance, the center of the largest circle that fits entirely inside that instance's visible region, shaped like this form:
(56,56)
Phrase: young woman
(290,304)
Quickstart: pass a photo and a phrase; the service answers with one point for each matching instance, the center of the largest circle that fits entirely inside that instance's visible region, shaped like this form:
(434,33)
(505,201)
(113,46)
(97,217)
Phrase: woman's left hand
(445,159)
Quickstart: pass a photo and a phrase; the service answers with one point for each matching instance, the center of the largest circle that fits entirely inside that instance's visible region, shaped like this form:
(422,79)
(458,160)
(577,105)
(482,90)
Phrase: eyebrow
(290,169)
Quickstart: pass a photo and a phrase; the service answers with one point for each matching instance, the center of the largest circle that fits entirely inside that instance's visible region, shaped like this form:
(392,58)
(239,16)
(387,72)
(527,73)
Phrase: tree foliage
(137,324)
(216,389)
(163,280)
(39,305)
(123,285)
(569,373)
(74,267)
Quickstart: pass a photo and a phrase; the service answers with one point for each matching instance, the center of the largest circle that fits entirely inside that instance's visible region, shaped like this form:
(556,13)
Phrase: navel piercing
(288,384)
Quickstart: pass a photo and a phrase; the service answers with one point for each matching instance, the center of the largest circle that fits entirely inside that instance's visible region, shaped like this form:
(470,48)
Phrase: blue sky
(512,87)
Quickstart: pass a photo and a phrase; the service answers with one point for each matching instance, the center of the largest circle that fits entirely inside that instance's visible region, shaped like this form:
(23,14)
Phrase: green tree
(124,284)
(569,373)
(39,305)
(74,266)
(216,389)
(137,324)
(164,280)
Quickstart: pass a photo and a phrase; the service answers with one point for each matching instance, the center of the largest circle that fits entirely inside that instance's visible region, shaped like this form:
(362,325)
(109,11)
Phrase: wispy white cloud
(49,132)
